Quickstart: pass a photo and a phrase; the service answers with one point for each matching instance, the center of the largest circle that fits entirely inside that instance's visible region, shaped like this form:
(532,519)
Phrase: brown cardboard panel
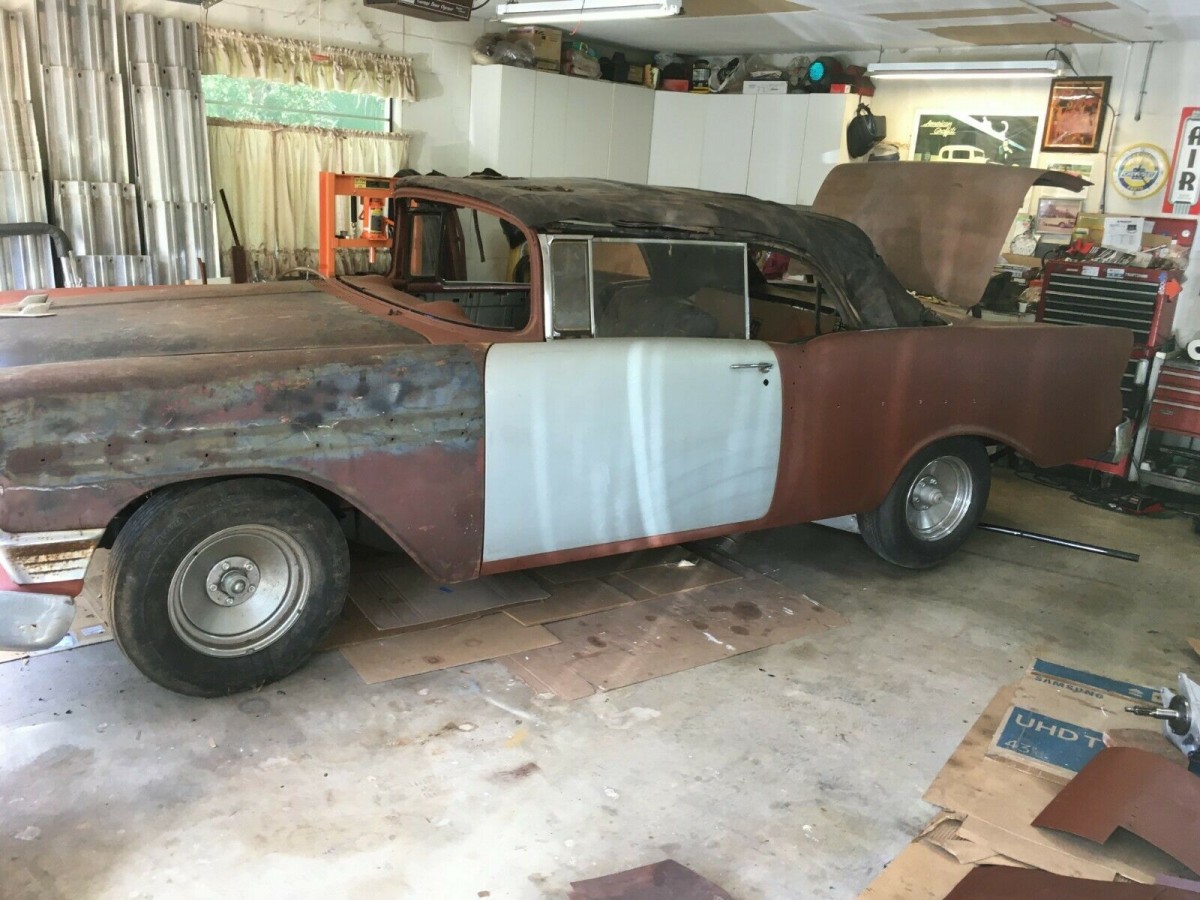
(999,801)
(998,883)
(405,597)
(671,579)
(920,872)
(708,8)
(559,681)
(669,634)
(1017,33)
(1134,790)
(604,566)
(570,601)
(945,833)
(985,13)
(442,648)
(1194,643)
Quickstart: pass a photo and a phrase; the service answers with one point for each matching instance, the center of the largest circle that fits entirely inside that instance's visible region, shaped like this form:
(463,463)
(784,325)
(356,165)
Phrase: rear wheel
(933,506)
(226,586)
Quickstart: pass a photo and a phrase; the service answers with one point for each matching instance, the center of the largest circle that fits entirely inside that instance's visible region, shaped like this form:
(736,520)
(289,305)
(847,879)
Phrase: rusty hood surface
(940,227)
(173,321)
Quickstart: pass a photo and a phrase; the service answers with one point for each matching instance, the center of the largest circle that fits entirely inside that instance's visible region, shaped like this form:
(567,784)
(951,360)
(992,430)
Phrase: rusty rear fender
(395,431)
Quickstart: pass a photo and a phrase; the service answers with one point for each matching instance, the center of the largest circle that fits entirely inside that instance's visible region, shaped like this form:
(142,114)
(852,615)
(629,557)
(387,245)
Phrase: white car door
(600,440)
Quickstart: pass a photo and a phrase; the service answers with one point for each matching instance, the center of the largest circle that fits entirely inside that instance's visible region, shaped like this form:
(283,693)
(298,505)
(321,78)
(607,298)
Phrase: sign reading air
(1183,199)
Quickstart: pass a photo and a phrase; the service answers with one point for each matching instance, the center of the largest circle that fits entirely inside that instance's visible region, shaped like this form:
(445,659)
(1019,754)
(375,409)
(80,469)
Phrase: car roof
(842,251)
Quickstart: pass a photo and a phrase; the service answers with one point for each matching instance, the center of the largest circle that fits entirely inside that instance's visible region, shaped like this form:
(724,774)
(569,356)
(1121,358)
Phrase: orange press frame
(332,185)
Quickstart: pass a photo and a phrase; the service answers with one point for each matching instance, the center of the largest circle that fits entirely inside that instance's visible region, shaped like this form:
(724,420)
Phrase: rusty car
(552,370)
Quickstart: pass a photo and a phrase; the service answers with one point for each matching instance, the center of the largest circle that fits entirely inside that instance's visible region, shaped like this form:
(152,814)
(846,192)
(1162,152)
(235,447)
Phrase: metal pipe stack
(171,147)
(25,262)
(95,202)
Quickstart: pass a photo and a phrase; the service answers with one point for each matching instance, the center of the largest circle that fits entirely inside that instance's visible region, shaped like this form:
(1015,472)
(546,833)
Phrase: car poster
(996,138)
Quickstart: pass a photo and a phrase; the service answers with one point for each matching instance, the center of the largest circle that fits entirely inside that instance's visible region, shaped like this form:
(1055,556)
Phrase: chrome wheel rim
(239,590)
(939,498)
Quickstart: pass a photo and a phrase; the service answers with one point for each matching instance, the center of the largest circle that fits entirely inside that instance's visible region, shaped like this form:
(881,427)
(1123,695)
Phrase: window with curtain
(280,112)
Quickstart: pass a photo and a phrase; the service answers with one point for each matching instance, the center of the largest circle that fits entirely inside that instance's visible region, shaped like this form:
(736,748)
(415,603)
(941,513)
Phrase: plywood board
(405,597)
(630,644)
(696,9)
(994,12)
(416,652)
(998,801)
(1017,33)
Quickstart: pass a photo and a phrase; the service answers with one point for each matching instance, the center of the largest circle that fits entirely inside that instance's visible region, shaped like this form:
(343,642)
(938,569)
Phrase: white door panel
(595,441)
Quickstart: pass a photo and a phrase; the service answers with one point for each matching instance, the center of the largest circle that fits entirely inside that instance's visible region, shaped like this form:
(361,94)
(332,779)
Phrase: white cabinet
(677,139)
(539,124)
(501,133)
(633,121)
(824,141)
(728,133)
(777,148)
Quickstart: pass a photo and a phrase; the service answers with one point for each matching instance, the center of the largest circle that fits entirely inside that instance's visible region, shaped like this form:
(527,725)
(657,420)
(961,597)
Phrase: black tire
(157,584)
(889,529)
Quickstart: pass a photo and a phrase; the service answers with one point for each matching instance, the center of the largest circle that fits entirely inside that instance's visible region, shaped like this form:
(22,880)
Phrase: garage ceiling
(716,26)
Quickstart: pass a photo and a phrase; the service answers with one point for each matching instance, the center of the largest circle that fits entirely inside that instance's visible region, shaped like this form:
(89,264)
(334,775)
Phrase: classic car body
(600,416)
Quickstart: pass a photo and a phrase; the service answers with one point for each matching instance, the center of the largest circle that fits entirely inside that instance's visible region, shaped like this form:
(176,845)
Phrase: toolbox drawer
(1176,405)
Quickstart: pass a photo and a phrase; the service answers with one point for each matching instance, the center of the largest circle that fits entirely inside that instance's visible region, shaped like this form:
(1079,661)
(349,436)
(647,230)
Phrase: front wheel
(933,506)
(222,587)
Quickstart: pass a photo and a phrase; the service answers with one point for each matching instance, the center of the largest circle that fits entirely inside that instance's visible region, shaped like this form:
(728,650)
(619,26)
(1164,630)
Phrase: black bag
(864,131)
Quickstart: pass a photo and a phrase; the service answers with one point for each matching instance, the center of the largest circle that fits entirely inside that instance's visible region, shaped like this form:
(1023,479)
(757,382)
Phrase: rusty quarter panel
(858,405)
(395,430)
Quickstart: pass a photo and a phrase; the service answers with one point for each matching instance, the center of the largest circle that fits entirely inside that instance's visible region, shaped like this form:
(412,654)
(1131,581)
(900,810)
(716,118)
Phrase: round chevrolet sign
(1140,171)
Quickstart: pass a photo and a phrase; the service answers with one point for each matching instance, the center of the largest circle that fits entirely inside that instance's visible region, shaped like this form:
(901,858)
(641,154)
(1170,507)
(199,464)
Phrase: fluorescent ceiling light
(1037,68)
(536,12)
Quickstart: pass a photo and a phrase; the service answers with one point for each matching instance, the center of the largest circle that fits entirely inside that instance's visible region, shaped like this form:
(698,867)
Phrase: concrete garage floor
(793,772)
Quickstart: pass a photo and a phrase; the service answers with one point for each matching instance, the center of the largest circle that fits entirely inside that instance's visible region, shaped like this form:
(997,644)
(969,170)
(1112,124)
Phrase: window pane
(688,290)
(572,287)
(256,100)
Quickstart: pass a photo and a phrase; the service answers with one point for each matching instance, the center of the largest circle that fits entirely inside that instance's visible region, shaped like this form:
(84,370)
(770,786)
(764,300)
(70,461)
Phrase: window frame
(547,240)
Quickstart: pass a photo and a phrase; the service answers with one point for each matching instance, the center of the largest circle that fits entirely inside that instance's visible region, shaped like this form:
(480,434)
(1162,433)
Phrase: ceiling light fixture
(1034,68)
(537,12)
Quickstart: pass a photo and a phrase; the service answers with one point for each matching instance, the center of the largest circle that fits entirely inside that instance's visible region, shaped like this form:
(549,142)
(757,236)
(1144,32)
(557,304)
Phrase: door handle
(763,367)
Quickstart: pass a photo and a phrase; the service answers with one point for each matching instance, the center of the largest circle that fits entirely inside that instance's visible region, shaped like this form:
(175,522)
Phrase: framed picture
(1057,215)
(1007,140)
(1075,114)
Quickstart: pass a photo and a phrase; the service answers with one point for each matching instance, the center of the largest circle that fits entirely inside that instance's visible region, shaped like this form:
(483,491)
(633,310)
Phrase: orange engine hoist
(369,226)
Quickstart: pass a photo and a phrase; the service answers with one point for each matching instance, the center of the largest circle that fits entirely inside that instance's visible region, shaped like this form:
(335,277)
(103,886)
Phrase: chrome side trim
(34,621)
(41,557)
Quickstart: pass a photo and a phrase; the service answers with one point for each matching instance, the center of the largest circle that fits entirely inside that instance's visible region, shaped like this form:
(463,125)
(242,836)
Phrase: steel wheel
(239,590)
(939,498)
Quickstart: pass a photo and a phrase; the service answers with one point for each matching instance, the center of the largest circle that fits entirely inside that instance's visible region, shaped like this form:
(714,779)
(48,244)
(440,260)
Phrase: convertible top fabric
(839,249)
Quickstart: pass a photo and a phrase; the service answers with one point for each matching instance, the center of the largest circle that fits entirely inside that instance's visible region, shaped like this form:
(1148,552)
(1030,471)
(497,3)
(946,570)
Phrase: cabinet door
(778,147)
(633,120)
(824,141)
(502,119)
(587,127)
(728,132)
(677,140)
(549,124)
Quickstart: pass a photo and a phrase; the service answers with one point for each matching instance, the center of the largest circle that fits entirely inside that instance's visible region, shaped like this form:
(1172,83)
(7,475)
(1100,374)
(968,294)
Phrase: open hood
(939,226)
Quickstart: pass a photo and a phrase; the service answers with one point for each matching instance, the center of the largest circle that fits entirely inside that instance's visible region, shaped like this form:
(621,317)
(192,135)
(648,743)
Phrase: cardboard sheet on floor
(565,573)
(1060,716)
(630,644)
(415,652)
(1194,643)
(402,596)
(999,801)
(568,601)
(920,872)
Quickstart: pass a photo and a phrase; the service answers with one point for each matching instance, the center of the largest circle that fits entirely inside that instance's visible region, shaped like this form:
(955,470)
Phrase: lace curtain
(225,52)
(269,174)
